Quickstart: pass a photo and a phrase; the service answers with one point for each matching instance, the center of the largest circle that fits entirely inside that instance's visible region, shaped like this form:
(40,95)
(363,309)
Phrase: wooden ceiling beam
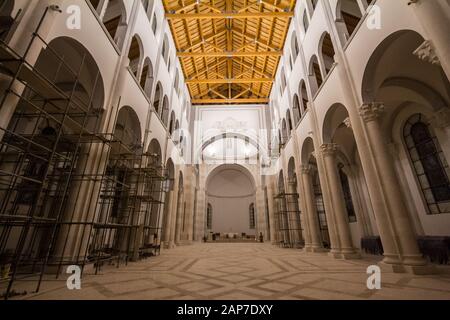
(205,40)
(254,39)
(212,37)
(251,90)
(231,101)
(207,69)
(228,15)
(229,54)
(228,81)
(273,6)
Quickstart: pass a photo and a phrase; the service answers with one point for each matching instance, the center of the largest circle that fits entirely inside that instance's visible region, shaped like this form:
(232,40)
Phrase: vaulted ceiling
(229,49)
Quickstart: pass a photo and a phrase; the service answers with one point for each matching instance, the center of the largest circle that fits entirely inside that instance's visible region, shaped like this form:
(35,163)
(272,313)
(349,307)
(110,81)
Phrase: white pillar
(403,245)
(315,241)
(168,219)
(346,249)
(435,18)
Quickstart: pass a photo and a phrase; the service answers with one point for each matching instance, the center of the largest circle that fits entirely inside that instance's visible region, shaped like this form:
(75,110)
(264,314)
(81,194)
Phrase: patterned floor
(245,272)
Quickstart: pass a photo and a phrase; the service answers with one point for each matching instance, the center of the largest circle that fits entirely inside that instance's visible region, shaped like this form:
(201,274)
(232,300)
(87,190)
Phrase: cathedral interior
(224,149)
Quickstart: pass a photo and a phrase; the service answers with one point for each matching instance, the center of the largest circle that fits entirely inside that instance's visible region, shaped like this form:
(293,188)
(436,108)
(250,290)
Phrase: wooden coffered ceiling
(229,49)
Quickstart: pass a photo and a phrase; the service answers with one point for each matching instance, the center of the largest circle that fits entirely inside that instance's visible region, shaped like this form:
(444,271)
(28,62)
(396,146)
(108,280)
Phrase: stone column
(73,240)
(189,214)
(179,217)
(29,21)
(174,213)
(201,213)
(315,244)
(304,212)
(260,212)
(168,219)
(346,248)
(293,211)
(404,241)
(272,208)
(434,17)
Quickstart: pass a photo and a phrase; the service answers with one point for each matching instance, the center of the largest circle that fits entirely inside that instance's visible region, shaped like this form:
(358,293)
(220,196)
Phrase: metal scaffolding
(288,221)
(70,194)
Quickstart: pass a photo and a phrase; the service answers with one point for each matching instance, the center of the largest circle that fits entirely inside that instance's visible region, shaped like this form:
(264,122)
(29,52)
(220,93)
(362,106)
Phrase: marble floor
(245,272)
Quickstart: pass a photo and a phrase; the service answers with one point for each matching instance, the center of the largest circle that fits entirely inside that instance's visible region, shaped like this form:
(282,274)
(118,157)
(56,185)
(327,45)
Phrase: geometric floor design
(245,272)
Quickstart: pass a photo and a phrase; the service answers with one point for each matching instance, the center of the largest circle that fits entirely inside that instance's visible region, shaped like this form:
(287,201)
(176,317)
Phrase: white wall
(231,192)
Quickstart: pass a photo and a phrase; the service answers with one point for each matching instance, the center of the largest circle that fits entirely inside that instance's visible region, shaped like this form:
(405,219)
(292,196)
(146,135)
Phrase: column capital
(329,149)
(427,52)
(348,123)
(371,111)
(292,181)
(306,169)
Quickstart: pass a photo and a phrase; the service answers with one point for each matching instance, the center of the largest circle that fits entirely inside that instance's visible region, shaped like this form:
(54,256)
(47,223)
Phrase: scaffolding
(70,194)
(129,208)
(288,221)
(321,214)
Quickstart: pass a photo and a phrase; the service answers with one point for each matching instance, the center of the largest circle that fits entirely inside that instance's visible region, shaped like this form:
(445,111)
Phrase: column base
(421,270)
(416,260)
(345,255)
(315,250)
(350,256)
(183,243)
(419,266)
(169,245)
(402,268)
(391,259)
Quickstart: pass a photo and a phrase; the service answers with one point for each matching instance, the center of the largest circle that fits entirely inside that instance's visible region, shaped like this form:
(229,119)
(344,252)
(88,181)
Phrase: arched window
(114,20)
(303,96)
(176,83)
(154,24)
(95,4)
(296,109)
(327,53)
(176,133)
(145,4)
(172,122)
(134,55)
(158,97)
(347,195)
(315,73)
(305,21)
(429,163)
(283,81)
(314,4)
(350,13)
(165,111)
(289,122)
(252,217)
(165,49)
(295,48)
(147,77)
(284,132)
(209,216)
